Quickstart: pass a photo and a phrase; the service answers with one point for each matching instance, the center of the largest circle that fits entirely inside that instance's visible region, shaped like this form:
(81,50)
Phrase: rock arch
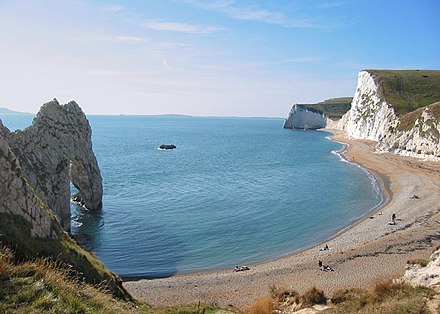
(55,150)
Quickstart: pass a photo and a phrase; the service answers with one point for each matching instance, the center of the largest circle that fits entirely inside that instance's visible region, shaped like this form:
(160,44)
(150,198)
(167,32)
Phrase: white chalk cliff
(303,118)
(428,276)
(371,117)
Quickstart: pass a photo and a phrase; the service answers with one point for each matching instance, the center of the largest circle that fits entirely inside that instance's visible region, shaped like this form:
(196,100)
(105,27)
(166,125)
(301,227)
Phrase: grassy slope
(408,90)
(15,233)
(333,108)
(407,121)
(42,286)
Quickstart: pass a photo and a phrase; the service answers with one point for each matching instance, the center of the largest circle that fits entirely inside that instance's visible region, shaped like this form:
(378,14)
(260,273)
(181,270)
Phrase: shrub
(314,296)
(282,294)
(387,288)
(422,262)
(263,305)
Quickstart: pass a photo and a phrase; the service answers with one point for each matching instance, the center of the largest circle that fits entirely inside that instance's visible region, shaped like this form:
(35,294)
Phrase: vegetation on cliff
(15,233)
(333,108)
(387,296)
(409,120)
(408,90)
(46,286)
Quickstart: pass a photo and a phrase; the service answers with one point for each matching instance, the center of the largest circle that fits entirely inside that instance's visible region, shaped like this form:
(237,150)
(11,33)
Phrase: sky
(205,58)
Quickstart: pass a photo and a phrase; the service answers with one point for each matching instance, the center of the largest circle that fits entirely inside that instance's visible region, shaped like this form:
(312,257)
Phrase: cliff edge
(398,109)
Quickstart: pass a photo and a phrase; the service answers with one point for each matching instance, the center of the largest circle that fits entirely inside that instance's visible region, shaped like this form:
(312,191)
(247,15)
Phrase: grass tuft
(387,296)
(314,296)
(420,261)
(263,305)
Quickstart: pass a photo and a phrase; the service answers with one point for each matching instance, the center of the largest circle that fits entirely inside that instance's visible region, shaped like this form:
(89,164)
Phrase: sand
(369,250)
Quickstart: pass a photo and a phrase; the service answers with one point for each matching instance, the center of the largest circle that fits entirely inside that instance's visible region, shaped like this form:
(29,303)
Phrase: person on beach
(393,219)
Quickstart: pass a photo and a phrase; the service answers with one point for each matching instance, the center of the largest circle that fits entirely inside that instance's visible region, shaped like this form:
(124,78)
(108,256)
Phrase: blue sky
(220,57)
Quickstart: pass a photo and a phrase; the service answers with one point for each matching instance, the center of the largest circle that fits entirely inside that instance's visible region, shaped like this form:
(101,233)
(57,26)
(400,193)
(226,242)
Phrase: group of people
(321,266)
(324,267)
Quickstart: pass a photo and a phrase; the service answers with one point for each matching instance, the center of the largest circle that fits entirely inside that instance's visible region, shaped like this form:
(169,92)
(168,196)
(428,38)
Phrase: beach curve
(361,253)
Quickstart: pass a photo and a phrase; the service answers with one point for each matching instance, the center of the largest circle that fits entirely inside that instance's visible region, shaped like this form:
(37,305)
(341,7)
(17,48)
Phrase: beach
(364,252)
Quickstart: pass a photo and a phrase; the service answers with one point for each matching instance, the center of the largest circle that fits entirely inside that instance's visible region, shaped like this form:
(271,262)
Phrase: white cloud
(181,27)
(332,4)
(211,5)
(254,13)
(113,8)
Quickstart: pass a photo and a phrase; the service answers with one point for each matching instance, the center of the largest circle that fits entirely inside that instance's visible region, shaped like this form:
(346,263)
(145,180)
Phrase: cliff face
(19,198)
(318,115)
(416,134)
(55,150)
(369,115)
(373,117)
(302,118)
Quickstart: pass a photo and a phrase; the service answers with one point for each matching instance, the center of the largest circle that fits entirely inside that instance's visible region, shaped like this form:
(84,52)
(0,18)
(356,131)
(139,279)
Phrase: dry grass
(4,261)
(420,261)
(314,296)
(44,286)
(387,296)
(263,305)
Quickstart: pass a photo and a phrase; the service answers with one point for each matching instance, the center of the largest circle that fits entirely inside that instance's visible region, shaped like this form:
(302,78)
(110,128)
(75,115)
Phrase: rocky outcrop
(18,197)
(373,117)
(416,134)
(54,151)
(427,276)
(167,146)
(36,167)
(303,118)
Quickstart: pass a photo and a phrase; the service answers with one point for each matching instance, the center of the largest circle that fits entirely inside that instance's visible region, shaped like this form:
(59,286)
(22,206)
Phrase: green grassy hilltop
(333,108)
(408,90)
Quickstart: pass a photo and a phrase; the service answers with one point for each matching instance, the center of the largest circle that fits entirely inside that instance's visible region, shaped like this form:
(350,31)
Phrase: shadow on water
(154,251)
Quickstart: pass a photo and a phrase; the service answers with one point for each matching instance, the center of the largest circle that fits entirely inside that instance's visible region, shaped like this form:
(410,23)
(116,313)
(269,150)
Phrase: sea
(234,191)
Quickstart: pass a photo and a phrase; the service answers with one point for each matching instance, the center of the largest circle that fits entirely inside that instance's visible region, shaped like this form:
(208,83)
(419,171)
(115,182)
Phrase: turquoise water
(235,191)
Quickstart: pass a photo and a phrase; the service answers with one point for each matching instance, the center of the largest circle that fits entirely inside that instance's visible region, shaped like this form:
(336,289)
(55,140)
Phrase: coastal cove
(234,191)
(367,251)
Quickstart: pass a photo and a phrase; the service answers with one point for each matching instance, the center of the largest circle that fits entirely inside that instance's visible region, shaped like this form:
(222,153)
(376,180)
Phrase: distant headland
(5,111)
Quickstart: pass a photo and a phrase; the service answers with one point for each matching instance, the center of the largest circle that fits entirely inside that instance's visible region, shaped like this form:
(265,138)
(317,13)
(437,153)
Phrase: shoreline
(383,191)
(368,244)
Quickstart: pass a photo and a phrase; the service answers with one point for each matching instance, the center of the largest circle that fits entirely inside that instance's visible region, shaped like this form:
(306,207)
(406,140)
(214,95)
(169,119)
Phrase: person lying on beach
(241,268)
(414,197)
(324,267)
(325,248)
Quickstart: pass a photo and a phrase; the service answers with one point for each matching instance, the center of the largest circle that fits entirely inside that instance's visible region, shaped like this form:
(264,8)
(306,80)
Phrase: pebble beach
(369,250)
